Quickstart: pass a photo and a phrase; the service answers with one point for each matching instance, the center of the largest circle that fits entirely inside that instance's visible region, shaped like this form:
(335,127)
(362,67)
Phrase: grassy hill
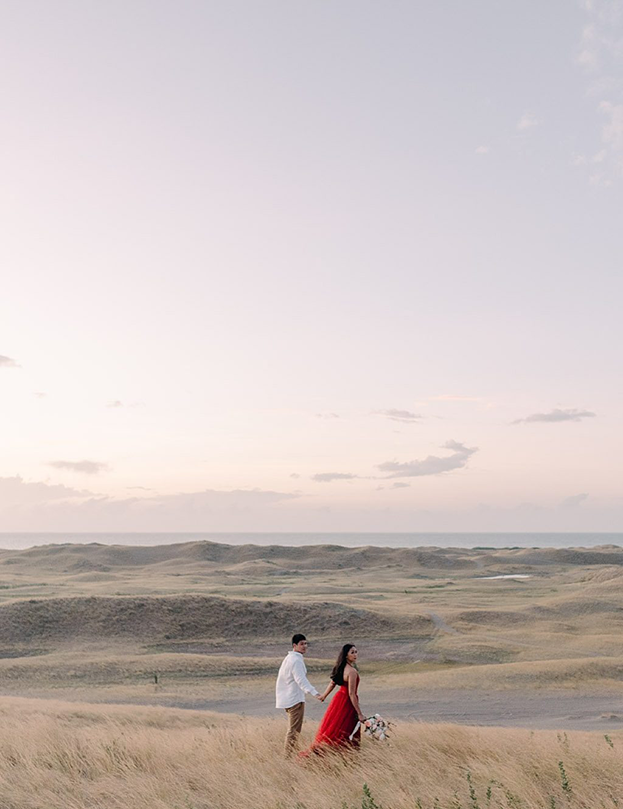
(153,619)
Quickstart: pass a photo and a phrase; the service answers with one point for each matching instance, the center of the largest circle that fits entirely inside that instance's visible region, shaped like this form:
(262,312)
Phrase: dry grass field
(55,755)
(86,630)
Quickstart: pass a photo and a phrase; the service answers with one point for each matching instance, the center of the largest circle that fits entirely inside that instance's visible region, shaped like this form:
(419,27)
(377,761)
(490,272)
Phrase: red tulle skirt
(337,725)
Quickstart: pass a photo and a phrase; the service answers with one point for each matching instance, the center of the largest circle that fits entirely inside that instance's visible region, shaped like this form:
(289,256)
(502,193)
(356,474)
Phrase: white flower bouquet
(376,727)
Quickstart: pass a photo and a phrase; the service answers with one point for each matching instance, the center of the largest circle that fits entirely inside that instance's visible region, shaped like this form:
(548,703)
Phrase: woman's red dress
(338,723)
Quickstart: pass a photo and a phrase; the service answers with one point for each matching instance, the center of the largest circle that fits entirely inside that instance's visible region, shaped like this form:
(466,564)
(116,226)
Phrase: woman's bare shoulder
(350,671)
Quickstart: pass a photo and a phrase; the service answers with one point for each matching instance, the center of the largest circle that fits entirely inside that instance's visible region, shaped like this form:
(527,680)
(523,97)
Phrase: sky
(327,266)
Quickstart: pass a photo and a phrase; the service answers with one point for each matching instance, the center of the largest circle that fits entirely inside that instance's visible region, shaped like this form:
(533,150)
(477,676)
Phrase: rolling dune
(152,619)
(98,622)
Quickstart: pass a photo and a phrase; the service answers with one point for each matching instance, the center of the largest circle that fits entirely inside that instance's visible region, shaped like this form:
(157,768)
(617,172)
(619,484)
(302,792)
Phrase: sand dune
(607,555)
(178,617)
(99,620)
(94,556)
(601,575)
(495,618)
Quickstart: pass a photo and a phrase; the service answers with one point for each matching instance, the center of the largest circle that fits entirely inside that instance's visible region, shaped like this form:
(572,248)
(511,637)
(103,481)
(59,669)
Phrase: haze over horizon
(324,267)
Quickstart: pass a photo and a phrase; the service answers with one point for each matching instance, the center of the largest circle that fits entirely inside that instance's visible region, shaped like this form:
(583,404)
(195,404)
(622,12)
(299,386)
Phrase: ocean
(392,540)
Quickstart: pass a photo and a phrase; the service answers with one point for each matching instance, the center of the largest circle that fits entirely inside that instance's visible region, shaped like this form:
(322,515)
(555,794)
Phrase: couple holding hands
(340,724)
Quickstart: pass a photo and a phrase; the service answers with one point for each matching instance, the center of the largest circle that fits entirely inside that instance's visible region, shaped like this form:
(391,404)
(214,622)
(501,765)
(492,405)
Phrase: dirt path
(538,710)
(444,627)
(541,710)
(441,624)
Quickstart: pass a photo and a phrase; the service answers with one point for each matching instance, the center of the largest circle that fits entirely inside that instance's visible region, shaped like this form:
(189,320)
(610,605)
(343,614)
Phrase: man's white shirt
(292,682)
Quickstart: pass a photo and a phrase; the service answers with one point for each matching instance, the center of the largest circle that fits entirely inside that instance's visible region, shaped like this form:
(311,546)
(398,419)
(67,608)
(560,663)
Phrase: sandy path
(553,710)
(444,627)
(441,624)
(542,710)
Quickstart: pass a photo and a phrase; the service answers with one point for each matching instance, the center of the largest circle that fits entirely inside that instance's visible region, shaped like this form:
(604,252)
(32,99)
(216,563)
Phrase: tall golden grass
(73,756)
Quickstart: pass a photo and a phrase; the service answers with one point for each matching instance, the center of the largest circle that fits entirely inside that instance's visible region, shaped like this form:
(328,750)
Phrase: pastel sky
(306,266)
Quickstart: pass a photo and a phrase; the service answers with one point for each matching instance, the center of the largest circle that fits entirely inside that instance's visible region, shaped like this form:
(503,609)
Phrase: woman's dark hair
(337,675)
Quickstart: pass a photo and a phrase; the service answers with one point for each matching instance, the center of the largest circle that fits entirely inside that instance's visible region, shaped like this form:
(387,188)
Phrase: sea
(19,541)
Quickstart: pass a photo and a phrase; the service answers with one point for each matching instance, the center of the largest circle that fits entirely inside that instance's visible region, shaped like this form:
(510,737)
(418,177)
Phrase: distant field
(211,622)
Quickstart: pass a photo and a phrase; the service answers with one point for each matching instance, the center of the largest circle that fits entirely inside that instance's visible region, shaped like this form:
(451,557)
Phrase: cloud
(573,502)
(327,416)
(527,121)
(600,179)
(601,55)
(40,507)
(15,491)
(295,475)
(115,403)
(570,414)
(8,362)
(431,465)
(482,150)
(327,477)
(588,56)
(84,467)
(612,131)
(583,160)
(236,498)
(399,415)
(396,485)
(39,394)
(600,47)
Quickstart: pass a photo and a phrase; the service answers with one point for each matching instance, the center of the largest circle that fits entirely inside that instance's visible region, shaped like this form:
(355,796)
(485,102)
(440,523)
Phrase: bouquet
(374,726)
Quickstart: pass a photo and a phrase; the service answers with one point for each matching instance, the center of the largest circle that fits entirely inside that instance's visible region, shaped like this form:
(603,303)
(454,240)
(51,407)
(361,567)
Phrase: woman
(344,712)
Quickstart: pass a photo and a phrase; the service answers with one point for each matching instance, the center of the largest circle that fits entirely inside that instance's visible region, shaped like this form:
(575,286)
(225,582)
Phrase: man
(292,685)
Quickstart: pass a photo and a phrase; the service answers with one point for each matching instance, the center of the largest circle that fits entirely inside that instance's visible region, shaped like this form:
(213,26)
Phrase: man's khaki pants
(295,723)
